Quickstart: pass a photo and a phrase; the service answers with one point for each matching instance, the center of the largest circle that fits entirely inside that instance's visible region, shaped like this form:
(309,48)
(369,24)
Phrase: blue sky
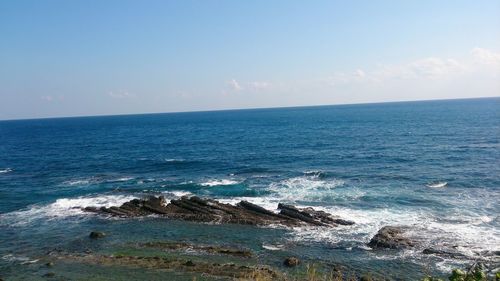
(93,57)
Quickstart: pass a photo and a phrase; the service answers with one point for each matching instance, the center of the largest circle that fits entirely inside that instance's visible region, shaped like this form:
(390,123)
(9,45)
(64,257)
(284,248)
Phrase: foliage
(475,273)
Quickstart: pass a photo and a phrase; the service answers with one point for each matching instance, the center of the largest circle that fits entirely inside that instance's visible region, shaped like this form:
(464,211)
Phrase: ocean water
(433,166)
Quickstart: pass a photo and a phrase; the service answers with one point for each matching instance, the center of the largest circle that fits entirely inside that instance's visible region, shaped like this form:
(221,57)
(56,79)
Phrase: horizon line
(242,109)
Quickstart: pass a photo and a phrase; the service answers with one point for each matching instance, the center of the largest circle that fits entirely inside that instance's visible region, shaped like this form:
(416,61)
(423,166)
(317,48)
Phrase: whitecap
(174,160)
(437,184)
(121,179)
(62,208)
(304,188)
(6,170)
(272,247)
(21,259)
(268,203)
(178,193)
(211,183)
(77,182)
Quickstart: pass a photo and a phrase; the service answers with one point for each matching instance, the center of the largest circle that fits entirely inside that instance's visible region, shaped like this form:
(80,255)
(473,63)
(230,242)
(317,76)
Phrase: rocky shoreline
(208,210)
(214,261)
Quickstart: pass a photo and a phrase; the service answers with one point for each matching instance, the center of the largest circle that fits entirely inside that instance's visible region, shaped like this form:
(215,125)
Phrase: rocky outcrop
(226,270)
(97,235)
(291,262)
(391,237)
(312,216)
(212,249)
(208,210)
(443,253)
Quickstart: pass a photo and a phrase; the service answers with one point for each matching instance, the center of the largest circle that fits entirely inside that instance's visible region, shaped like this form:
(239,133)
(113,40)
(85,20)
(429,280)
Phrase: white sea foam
(437,184)
(266,202)
(62,208)
(121,179)
(177,193)
(96,180)
(272,247)
(174,160)
(20,259)
(211,183)
(77,182)
(6,170)
(308,187)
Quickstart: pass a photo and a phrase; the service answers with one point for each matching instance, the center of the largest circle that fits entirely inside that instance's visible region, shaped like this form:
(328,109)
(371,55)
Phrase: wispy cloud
(259,85)
(51,98)
(431,68)
(120,95)
(234,85)
(486,56)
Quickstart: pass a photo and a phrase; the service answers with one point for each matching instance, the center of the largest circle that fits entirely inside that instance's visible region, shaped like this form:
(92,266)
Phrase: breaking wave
(6,170)
(61,208)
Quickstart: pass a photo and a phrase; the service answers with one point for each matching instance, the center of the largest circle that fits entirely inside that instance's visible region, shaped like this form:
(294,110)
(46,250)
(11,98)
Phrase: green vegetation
(475,273)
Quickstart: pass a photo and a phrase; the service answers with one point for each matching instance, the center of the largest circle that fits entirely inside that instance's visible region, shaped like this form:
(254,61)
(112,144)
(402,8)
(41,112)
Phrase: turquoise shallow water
(375,164)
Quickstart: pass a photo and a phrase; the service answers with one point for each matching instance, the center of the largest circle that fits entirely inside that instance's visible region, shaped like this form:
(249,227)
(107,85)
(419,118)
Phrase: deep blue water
(375,164)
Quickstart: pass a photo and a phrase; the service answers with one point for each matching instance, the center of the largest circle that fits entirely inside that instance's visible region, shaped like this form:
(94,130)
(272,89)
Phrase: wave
(437,184)
(77,182)
(178,160)
(469,234)
(96,180)
(211,183)
(272,247)
(317,174)
(121,179)
(6,170)
(308,187)
(19,259)
(61,208)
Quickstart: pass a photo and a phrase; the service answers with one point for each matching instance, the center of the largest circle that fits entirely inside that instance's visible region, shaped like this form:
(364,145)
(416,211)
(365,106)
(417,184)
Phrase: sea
(430,166)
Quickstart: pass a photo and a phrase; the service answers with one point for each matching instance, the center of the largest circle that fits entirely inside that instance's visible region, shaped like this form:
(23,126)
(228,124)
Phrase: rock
(177,264)
(49,264)
(213,249)
(311,216)
(207,210)
(438,252)
(49,274)
(97,234)
(291,261)
(390,237)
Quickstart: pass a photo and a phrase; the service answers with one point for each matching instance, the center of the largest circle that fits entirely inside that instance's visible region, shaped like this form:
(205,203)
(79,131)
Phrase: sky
(105,57)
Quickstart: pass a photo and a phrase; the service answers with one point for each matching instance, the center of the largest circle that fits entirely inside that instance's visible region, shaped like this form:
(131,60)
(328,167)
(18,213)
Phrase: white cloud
(485,56)
(120,95)
(234,85)
(51,98)
(259,85)
(427,68)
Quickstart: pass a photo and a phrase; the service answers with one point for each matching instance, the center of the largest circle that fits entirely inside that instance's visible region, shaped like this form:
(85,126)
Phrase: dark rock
(207,210)
(97,234)
(49,264)
(438,252)
(390,237)
(343,222)
(291,261)
(49,274)
(213,249)
(176,264)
